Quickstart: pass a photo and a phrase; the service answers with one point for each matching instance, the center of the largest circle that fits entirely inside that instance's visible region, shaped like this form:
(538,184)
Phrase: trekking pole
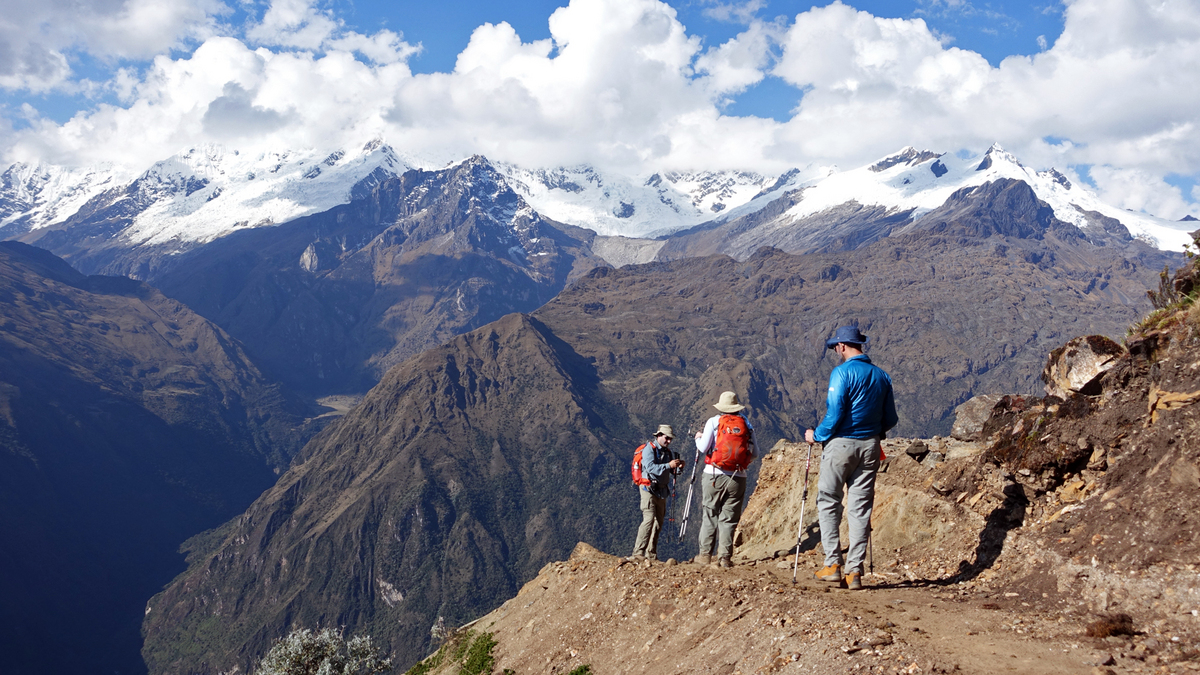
(672,500)
(803,503)
(871,545)
(687,507)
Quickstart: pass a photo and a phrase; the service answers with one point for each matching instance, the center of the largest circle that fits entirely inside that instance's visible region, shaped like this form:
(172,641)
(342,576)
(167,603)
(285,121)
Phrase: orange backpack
(731,451)
(637,467)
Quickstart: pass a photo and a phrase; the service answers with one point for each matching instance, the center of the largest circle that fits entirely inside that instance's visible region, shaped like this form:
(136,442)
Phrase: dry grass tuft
(1113,624)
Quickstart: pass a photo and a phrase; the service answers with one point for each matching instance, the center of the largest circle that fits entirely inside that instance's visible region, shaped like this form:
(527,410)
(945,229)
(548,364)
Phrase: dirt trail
(660,618)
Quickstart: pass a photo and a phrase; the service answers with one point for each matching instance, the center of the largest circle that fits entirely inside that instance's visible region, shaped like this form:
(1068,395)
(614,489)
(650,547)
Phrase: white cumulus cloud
(622,83)
(37,39)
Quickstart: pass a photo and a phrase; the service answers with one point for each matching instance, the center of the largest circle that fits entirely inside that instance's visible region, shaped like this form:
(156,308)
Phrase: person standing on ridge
(653,464)
(728,446)
(859,410)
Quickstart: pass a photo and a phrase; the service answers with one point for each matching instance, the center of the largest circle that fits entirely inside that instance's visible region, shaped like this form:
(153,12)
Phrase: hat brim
(833,342)
(729,408)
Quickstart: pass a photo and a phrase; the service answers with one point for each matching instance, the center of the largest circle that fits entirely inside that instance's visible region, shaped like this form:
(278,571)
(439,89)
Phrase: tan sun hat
(729,403)
(665,430)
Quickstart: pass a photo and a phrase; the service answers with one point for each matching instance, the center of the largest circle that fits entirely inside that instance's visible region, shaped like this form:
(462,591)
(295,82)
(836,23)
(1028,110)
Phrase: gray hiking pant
(653,511)
(847,462)
(721,511)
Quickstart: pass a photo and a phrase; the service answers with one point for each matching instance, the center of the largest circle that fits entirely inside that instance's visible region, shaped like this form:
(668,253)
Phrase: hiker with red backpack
(859,410)
(728,446)
(653,466)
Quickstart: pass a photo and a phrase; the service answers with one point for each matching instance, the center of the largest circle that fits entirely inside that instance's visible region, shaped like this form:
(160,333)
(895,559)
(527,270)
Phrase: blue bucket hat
(847,334)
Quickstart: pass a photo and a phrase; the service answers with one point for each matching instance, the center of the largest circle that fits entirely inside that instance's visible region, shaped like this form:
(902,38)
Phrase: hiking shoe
(702,559)
(854,581)
(829,573)
(726,563)
(635,558)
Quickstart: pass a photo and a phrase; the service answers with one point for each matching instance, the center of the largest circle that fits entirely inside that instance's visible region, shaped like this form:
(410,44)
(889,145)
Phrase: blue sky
(1110,87)
(994,30)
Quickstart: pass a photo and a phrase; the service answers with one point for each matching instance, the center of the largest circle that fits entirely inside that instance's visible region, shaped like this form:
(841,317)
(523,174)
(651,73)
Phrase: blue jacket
(860,403)
(656,468)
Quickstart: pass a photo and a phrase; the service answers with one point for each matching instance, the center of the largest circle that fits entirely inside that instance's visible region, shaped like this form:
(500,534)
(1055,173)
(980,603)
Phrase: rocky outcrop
(970,417)
(1078,366)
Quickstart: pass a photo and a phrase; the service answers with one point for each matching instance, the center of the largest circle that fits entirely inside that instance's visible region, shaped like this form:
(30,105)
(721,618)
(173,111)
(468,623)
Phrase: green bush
(324,652)
(479,659)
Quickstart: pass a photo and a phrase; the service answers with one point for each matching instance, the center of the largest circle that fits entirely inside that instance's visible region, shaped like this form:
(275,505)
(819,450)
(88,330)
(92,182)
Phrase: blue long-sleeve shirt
(860,404)
(656,462)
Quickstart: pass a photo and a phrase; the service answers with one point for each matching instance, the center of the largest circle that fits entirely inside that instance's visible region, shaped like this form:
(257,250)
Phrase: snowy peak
(996,154)
(206,192)
(36,195)
(616,204)
(909,156)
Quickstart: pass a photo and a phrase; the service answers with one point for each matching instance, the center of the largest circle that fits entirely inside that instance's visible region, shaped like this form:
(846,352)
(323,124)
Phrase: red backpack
(637,467)
(731,451)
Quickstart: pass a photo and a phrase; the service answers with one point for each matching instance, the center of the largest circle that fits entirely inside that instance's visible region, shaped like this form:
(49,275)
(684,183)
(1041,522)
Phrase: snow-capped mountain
(207,192)
(634,206)
(196,196)
(920,182)
(36,195)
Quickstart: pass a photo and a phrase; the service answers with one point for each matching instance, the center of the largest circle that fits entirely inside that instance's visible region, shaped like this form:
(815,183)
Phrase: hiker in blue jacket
(859,410)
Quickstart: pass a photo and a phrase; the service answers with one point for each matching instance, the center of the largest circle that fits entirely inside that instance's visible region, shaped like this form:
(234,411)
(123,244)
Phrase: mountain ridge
(127,424)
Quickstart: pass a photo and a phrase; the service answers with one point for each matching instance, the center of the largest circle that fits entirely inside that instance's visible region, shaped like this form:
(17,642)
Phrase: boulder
(970,417)
(1076,367)
(917,450)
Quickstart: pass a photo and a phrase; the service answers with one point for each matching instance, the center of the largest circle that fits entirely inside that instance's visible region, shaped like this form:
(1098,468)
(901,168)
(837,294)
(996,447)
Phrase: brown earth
(1064,541)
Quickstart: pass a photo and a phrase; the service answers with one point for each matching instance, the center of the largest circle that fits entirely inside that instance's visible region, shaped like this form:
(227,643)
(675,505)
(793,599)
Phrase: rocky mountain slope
(127,424)
(1049,535)
(473,464)
(458,476)
(327,303)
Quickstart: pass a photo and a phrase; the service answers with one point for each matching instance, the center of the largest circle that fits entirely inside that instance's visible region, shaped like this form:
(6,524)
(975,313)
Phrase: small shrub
(323,652)
(585,669)
(479,657)
(1115,624)
(1165,296)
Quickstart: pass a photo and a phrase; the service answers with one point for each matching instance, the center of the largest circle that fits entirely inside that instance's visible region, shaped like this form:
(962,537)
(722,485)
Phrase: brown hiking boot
(635,558)
(702,559)
(726,563)
(829,573)
(854,581)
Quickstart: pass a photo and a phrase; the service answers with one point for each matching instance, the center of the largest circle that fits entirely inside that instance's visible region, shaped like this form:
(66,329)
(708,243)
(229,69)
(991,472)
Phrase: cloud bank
(623,85)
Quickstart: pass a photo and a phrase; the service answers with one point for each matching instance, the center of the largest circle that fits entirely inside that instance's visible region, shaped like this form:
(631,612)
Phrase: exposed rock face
(970,417)
(1076,367)
(127,424)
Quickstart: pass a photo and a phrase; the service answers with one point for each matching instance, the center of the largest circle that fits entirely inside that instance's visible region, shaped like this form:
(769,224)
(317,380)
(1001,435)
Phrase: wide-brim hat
(665,430)
(847,334)
(728,403)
